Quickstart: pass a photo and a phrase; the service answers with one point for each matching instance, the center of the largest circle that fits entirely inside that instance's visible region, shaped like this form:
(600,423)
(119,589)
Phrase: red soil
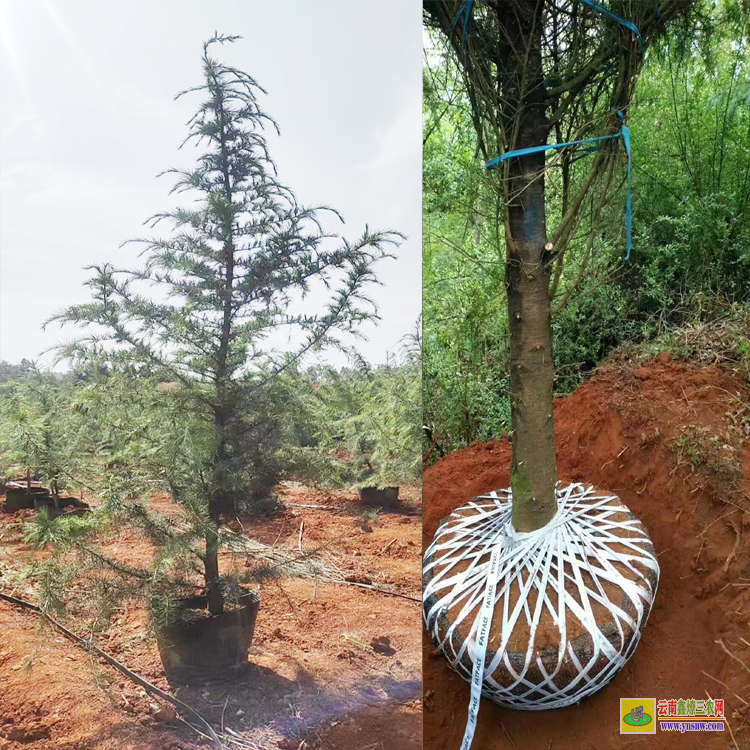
(314,682)
(671,441)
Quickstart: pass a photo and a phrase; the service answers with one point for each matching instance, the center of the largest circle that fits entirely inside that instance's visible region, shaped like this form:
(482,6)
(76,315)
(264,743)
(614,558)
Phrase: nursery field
(671,440)
(332,661)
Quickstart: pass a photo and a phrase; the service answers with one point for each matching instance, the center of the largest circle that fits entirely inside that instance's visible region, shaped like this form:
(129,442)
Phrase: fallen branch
(317,507)
(733,553)
(731,655)
(726,721)
(739,507)
(715,679)
(119,666)
(386,547)
(239,740)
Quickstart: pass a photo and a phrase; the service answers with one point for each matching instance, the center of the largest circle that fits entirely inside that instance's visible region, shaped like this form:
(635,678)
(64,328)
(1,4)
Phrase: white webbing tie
(485,618)
(577,544)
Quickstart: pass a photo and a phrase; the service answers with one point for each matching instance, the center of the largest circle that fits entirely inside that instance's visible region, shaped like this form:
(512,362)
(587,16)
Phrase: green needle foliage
(239,265)
(361,425)
(39,431)
(532,71)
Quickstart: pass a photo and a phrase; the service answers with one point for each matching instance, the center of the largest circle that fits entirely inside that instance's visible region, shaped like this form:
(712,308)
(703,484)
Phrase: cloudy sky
(88,119)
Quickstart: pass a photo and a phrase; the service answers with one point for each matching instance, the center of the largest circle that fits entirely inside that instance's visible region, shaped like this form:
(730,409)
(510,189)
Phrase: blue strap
(465,11)
(624,132)
(467,6)
(628,210)
(492,163)
(622,21)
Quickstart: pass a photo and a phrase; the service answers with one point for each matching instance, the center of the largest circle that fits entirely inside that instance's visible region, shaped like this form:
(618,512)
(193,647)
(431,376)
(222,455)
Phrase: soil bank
(671,440)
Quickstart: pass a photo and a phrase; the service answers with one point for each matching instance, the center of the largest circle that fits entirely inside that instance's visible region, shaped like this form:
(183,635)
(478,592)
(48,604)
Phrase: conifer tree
(238,265)
(536,73)
(38,434)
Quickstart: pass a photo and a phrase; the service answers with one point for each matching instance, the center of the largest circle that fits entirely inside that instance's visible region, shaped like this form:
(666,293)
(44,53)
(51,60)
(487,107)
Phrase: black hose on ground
(374,588)
(183,707)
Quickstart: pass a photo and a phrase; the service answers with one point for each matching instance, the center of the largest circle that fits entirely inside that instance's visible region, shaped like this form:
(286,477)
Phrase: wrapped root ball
(570,603)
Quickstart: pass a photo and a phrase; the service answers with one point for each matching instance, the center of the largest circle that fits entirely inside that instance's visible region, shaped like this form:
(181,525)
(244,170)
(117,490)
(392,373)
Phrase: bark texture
(533,472)
(213,581)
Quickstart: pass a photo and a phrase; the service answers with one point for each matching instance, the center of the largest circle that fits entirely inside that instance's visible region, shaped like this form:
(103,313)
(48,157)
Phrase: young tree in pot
(236,263)
(390,424)
(370,414)
(39,434)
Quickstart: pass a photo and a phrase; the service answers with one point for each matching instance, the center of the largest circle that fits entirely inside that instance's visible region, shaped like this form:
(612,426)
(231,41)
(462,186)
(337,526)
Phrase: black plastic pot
(67,502)
(63,505)
(208,647)
(18,498)
(62,502)
(381,497)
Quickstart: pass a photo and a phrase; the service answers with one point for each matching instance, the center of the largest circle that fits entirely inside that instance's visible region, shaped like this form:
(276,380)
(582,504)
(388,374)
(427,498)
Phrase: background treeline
(690,267)
(126,434)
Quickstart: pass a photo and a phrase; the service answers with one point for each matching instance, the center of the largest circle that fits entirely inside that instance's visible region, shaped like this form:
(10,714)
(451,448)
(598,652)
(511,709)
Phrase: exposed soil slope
(672,441)
(314,680)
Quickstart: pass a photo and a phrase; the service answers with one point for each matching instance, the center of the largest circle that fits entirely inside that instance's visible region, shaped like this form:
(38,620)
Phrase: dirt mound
(671,440)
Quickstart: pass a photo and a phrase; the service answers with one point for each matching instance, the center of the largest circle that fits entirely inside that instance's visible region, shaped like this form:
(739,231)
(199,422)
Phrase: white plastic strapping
(594,543)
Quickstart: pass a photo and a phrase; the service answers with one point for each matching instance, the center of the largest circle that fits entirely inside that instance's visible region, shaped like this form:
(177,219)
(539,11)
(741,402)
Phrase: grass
(358,640)
(700,449)
(717,336)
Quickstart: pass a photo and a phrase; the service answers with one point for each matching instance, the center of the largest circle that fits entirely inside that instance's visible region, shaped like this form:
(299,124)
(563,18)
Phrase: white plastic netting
(585,582)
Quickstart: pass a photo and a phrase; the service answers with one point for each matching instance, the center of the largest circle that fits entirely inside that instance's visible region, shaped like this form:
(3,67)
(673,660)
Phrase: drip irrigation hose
(375,588)
(183,707)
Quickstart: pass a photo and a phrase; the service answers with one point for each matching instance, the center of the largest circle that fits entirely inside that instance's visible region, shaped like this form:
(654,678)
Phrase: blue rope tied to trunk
(624,132)
(622,21)
(465,11)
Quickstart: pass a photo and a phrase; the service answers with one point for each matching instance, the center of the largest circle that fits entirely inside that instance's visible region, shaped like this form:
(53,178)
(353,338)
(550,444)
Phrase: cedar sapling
(39,435)
(370,413)
(240,262)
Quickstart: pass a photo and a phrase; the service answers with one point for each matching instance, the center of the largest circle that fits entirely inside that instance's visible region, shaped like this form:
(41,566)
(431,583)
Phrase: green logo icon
(637,717)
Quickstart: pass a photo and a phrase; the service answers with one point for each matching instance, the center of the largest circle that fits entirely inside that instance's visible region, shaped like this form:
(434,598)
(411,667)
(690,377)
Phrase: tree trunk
(213,584)
(55,494)
(533,473)
(220,501)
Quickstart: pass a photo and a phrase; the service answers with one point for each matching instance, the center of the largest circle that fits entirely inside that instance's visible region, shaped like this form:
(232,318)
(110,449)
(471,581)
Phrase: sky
(88,119)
